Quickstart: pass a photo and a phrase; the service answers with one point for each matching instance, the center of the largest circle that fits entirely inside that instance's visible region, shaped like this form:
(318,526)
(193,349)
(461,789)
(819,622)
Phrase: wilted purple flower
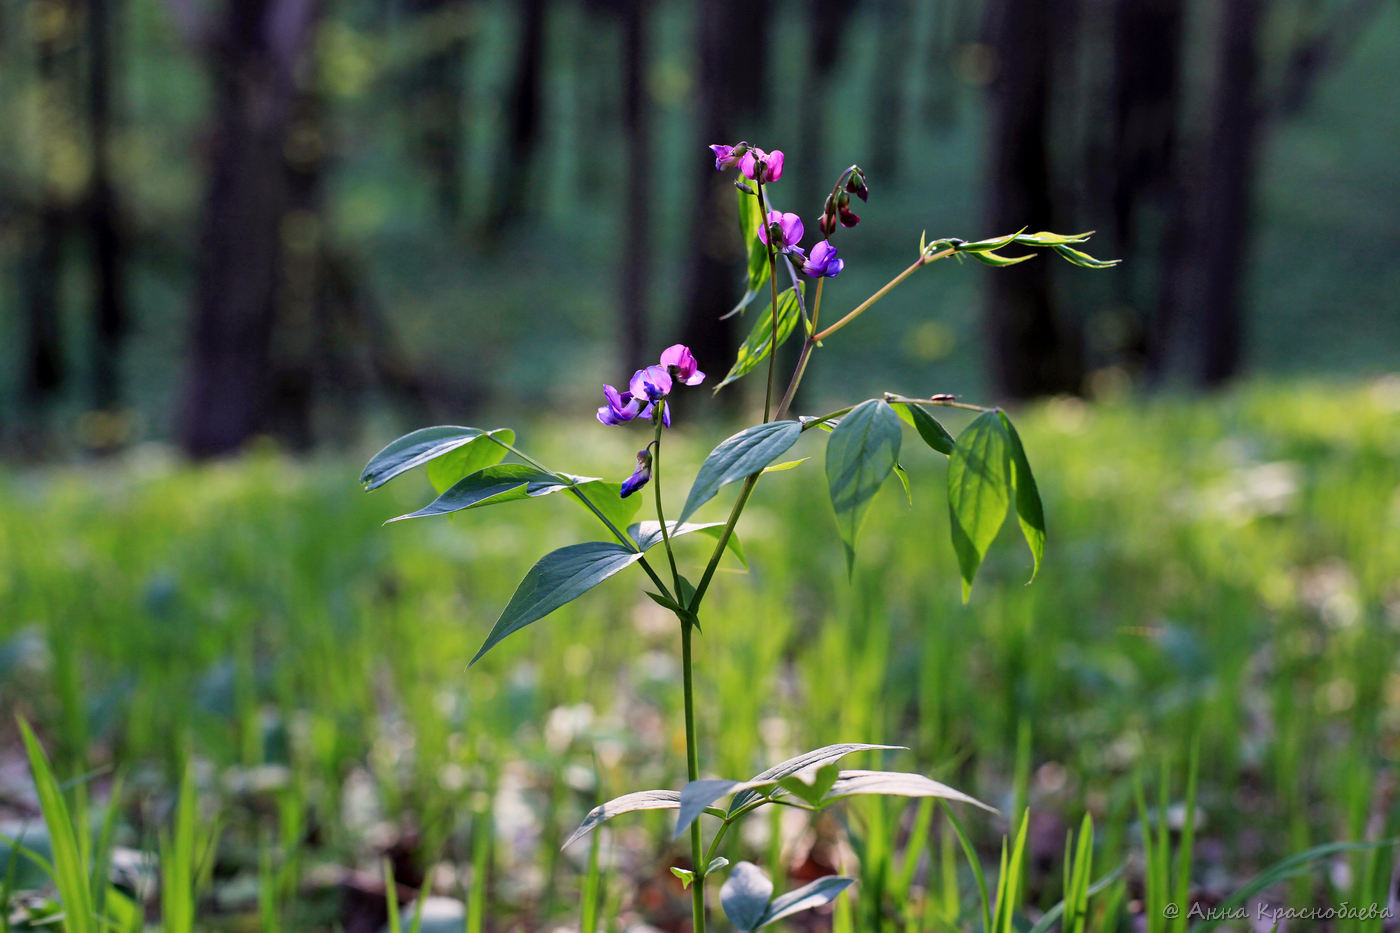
(680,363)
(789,228)
(620,407)
(725,156)
(822,261)
(641,475)
(762,166)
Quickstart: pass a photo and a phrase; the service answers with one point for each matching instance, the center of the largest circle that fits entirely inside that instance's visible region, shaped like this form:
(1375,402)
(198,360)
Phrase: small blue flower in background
(641,475)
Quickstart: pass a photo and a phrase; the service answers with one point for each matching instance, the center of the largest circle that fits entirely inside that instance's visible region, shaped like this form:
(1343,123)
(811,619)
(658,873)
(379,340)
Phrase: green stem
(773,287)
(923,260)
(656,488)
(692,766)
(809,342)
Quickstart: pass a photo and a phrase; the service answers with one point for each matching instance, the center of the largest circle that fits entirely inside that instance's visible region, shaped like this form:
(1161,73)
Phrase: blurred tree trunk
(110,319)
(44,369)
(637,233)
(257,55)
(437,100)
(889,92)
(729,92)
(826,24)
(1033,351)
(510,189)
(1200,318)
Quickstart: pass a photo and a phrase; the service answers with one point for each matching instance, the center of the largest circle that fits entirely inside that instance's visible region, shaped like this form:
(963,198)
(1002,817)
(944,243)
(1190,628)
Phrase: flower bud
(856,184)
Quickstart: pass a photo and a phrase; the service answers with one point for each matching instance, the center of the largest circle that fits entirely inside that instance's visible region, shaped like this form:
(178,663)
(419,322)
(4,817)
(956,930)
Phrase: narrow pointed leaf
(903,478)
(813,759)
(736,457)
(559,577)
(819,892)
(1029,511)
(981,246)
(932,433)
(759,344)
(413,450)
(750,219)
(1084,259)
(1046,238)
(993,259)
(697,796)
(685,874)
(895,784)
(979,491)
(715,865)
(859,458)
(505,482)
(476,454)
(647,535)
(745,896)
(785,465)
(627,803)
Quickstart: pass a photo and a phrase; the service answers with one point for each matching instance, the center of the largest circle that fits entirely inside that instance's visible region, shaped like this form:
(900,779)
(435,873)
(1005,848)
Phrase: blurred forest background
(224,220)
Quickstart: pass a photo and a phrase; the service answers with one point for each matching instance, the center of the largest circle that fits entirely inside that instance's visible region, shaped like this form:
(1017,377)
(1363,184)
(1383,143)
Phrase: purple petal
(746,164)
(774,162)
(792,229)
(652,383)
(694,379)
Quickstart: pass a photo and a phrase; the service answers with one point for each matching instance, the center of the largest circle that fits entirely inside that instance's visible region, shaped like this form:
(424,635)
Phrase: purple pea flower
(652,383)
(725,157)
(762,166)
(641,475)
(680,362)
(620,407)
(789,227)
(823,261)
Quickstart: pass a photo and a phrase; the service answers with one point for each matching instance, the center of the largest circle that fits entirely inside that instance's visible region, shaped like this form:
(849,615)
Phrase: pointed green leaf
(933,433)
(1084,259)
(983,246)
(979,491)
(903,478)
(607,498)
(993,259)
(1029,511)
(413,450)
(859,457)
(477,454)
(697,796)
(647,535)
(750,220)
(685,874)
(759,343)
(816,758)
(737,457)
(559,577)
(505,482)
(819,892)
(627,803)
(715,865)
(896,784)
(1046,238)
(745,896)
(785,465)
(814,790)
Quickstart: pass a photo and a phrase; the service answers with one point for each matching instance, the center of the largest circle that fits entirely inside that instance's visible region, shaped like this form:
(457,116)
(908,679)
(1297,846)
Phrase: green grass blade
(70,875)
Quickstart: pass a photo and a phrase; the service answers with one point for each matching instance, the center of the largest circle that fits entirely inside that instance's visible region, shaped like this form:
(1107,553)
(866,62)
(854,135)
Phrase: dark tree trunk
(889,90)
(826,22)
(1200,319)
(731,81)
(637,232)
(110,314)
(511,193)
(437,104)
(1033,351)
(255,60)
(44,369)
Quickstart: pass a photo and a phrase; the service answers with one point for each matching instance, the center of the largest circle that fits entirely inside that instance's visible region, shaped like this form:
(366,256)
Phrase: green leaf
(819,892)
(715,865)
(558,578)
(785,465)
(647,535)
(607,498)
(69,861)
(903,478)
(992,259)
(859,457)
(760,340)
(811,792)
(627,803)
(1046,238)
(476,454)
(895,784)
(979,491)
(1084,259)
(933,433)
(737,457)
(816,758)
(750,220)
(983,246)
(745,896)
(505,482)
(1029,511)
(697,796)
(413,450)
(685,874)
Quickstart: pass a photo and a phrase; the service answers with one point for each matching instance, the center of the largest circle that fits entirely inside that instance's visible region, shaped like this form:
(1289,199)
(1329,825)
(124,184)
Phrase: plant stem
(923,260)
(808,343)
(773,287)
(692,765)
(656,488)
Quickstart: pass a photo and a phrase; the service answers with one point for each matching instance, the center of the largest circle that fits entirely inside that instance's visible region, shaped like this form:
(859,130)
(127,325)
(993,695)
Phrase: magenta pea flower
(762,166)
(621,407)
(641,475)
(822,261)
(789,227)
(725,156)
(680,363)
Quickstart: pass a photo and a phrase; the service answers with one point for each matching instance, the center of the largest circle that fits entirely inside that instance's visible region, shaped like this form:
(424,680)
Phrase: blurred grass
(1223,571)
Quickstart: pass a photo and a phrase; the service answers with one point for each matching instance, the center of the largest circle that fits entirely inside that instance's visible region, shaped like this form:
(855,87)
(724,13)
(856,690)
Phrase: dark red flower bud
(856,185)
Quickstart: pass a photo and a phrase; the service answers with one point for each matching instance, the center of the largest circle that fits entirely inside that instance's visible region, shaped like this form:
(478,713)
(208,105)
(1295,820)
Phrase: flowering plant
(988,476)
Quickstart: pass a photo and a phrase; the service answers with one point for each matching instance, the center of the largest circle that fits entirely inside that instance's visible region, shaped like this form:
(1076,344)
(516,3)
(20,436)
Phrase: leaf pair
(987,469)
(748,902)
